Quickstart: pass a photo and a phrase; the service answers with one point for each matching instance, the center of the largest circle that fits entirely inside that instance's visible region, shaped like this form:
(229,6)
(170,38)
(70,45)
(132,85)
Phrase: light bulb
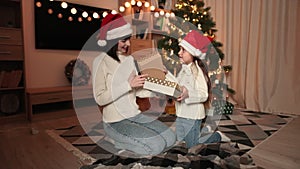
(85,14)
(50,11)
(162,12)
(95,15)
(114,12)
(104,14)
(121,8)
(147,4)
(139,3)
(64,5)
(59,15)
(74,11)
(132,2)
(38,4)
(152,8)
(127,4)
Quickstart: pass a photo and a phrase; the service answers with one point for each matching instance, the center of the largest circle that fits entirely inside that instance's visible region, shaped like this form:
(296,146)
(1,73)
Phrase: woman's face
(123,45)
(185,56)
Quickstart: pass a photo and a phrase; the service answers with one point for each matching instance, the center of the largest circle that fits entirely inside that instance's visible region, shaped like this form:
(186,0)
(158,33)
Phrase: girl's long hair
(204,69)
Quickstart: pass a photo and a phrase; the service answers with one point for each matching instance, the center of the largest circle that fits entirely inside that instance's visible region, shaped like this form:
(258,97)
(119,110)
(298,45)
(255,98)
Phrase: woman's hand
(138,81)
(184,94)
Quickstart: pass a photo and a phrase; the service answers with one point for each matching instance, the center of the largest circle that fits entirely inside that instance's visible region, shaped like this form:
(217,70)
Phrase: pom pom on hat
(196,44)
(113,26)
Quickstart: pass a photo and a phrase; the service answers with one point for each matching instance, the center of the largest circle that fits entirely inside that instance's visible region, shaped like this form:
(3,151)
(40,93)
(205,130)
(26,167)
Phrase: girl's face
(185,56)
(123,45)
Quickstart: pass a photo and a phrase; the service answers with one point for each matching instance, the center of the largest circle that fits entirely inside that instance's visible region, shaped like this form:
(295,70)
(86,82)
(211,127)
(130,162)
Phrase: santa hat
(113,26)
(196,44)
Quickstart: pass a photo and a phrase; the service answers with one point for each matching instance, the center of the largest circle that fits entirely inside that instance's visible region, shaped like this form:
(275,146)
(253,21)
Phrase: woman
(116,84)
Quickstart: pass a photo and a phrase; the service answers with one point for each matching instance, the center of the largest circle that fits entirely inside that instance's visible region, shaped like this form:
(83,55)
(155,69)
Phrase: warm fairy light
(95,15)
(132,2)
(59,15)
(152,8)
(156,14)
(161,12)
(74,11)
(168,14)
(79,19)
(127,4)
(114,12)
(139,3)
(64,5)
(70,18)
(89,19)
(121,8)
(85,14)
(38,4)
(50,11)
(147,4)
(172,14)
(104,14)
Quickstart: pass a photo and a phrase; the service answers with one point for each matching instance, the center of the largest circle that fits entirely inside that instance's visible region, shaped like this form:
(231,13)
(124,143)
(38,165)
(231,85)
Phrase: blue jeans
(141,134)
(188,130)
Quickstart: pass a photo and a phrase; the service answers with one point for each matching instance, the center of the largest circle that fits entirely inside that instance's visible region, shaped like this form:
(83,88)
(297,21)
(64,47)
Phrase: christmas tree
(193,15)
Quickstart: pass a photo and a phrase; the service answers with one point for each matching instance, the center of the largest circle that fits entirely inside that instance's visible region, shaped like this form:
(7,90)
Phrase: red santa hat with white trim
(113,26)
(196,44)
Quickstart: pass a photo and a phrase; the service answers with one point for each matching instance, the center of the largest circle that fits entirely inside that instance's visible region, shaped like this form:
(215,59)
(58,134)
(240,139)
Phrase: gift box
(162,86)
(157,79)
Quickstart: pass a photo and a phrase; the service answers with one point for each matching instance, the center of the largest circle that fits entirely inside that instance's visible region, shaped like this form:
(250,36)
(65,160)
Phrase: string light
(132,2)
(38,4)
(64,5)
(127,4)
(152,8)
(85,14)
(104,14)
(73,9)
(139,3)
(121,8)
(95,15)
(147,4)
(70,18)
(50,11)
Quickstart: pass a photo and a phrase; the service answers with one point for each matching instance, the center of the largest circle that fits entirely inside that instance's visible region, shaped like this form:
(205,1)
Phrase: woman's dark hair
(204,69)
(111,47)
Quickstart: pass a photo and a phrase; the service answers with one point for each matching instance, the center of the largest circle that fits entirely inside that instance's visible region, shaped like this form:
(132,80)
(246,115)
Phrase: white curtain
(260,40)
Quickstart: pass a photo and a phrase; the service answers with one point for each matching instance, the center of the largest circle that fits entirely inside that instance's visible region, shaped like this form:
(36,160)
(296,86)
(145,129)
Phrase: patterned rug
(246,129)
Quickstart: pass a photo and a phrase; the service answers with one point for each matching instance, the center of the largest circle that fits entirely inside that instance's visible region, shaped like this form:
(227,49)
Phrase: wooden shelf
(12,80)
(36,96)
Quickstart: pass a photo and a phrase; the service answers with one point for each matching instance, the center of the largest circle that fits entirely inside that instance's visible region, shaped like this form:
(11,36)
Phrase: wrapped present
(222,107)
(157,80)
(162,86)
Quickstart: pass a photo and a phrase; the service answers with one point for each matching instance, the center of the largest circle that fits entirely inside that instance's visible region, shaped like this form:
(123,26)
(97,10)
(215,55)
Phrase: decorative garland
(77,72)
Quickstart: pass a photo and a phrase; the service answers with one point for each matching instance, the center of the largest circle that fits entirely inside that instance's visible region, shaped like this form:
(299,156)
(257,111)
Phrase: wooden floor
(20,149)
(281,150)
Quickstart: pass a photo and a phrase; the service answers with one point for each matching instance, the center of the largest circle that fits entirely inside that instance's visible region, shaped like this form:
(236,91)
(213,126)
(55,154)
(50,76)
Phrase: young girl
(195,83)
(116,85)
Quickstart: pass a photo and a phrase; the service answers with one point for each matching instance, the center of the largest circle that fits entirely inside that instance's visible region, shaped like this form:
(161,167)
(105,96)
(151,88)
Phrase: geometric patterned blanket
(246,129)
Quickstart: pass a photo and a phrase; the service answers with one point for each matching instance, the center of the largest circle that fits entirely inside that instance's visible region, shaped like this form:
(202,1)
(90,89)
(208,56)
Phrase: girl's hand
(184,94)
(138,81)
